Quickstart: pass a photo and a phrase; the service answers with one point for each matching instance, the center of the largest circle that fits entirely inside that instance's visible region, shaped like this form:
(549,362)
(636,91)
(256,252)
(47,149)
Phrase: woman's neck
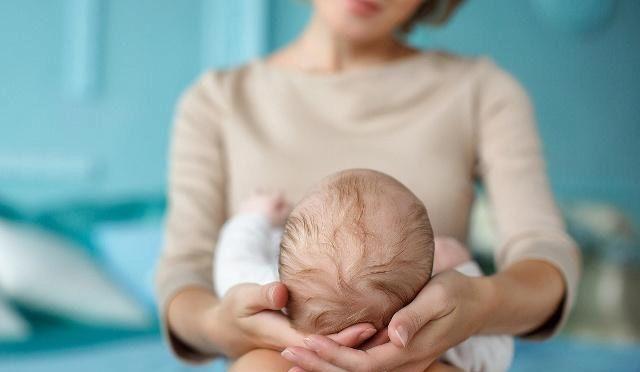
(318,49)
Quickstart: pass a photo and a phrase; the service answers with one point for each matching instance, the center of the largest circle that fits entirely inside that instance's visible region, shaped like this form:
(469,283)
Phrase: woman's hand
(448,310)
(248,318)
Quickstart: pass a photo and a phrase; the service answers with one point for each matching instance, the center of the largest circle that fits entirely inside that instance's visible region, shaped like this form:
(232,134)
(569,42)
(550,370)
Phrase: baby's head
(356,249)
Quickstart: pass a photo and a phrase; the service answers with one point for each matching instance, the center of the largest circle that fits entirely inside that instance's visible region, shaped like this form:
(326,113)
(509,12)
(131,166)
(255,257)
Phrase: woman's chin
(358,34)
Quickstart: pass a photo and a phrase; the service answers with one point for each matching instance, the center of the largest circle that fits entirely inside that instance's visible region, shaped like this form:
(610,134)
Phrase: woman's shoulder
(486,76)
(214,86)
(481,66)
(224,76)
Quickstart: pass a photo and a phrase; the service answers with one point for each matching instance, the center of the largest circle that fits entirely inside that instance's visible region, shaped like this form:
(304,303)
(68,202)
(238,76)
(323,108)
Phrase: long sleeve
(196,201)
(246,253)
(511,165)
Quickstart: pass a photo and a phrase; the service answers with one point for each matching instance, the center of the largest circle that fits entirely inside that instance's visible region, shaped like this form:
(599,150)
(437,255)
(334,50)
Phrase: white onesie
(248,250)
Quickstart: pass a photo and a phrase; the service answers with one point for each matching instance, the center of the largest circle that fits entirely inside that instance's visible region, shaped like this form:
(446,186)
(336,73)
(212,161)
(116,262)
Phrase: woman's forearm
(524,296)
(187,318)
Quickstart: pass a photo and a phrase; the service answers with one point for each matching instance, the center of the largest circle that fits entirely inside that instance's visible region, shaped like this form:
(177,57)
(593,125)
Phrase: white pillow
(12,326)
(128,252)
(48,273)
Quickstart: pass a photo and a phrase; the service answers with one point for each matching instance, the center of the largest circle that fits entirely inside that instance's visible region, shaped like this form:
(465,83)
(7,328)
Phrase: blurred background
(87,92)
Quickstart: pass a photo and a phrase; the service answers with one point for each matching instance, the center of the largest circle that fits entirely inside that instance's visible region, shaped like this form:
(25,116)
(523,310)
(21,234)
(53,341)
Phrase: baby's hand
(272,205)
(448,254)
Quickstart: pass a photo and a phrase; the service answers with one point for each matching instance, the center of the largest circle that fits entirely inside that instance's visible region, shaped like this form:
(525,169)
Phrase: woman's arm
(198,326)
(187,317)
(196,210)
(525,295)
(530,228)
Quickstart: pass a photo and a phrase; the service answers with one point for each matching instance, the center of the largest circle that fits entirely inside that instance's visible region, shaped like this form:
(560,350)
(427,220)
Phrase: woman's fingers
(380,338)
(354,335)
(308,360)
(328,351)
(278,295)
(253,298)
(274,329)
(259,305)
(431,303)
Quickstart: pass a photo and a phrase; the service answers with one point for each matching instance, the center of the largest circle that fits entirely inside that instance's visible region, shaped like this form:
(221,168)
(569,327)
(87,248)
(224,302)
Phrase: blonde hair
(357,250)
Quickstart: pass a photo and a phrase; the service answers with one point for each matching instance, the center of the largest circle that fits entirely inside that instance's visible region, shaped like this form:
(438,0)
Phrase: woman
(348,93)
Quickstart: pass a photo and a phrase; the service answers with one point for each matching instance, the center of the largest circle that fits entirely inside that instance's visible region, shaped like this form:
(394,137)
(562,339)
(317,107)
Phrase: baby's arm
(246,251)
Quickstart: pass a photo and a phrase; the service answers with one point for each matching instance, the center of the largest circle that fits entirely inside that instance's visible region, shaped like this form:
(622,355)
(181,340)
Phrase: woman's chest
(432,157)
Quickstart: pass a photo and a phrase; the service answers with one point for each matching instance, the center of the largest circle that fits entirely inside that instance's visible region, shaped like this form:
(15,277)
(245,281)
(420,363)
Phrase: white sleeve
(481,353)
(246,253)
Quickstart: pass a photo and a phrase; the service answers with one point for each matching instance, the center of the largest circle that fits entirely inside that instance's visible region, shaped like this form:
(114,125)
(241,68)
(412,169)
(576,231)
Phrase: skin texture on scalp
(356,249)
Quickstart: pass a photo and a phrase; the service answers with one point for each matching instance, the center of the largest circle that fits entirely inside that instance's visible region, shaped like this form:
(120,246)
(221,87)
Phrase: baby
(356,249)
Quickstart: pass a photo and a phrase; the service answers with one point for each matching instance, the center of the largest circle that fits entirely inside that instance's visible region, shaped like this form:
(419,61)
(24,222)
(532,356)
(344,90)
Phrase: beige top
(434,121)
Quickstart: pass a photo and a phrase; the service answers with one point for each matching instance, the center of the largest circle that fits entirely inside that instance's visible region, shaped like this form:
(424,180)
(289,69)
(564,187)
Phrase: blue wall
(60,138)
(87,87)
(585,86)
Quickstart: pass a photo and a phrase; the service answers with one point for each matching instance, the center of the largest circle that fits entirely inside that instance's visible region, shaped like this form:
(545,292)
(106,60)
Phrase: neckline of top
(308,76)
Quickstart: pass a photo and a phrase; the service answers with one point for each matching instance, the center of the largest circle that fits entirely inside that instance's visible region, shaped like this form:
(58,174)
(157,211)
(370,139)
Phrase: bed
(147,353)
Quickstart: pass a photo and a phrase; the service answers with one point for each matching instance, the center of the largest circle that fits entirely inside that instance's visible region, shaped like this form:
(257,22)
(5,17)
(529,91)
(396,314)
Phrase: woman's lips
(363,8)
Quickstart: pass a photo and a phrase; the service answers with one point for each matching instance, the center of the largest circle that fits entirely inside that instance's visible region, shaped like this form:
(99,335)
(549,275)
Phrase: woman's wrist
(522,297)
(191,318)
(489,295)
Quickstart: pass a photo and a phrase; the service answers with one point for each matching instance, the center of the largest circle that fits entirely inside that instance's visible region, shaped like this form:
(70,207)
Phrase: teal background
(87,87)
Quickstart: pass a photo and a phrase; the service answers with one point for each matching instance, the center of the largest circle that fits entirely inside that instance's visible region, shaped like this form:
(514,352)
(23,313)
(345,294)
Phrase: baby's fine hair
(356,249)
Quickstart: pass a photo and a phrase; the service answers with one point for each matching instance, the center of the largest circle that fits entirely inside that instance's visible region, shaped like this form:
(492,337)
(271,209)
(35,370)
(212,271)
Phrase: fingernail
(288,355)
(402,334)
(311,344)
(272,294)
(366,334)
